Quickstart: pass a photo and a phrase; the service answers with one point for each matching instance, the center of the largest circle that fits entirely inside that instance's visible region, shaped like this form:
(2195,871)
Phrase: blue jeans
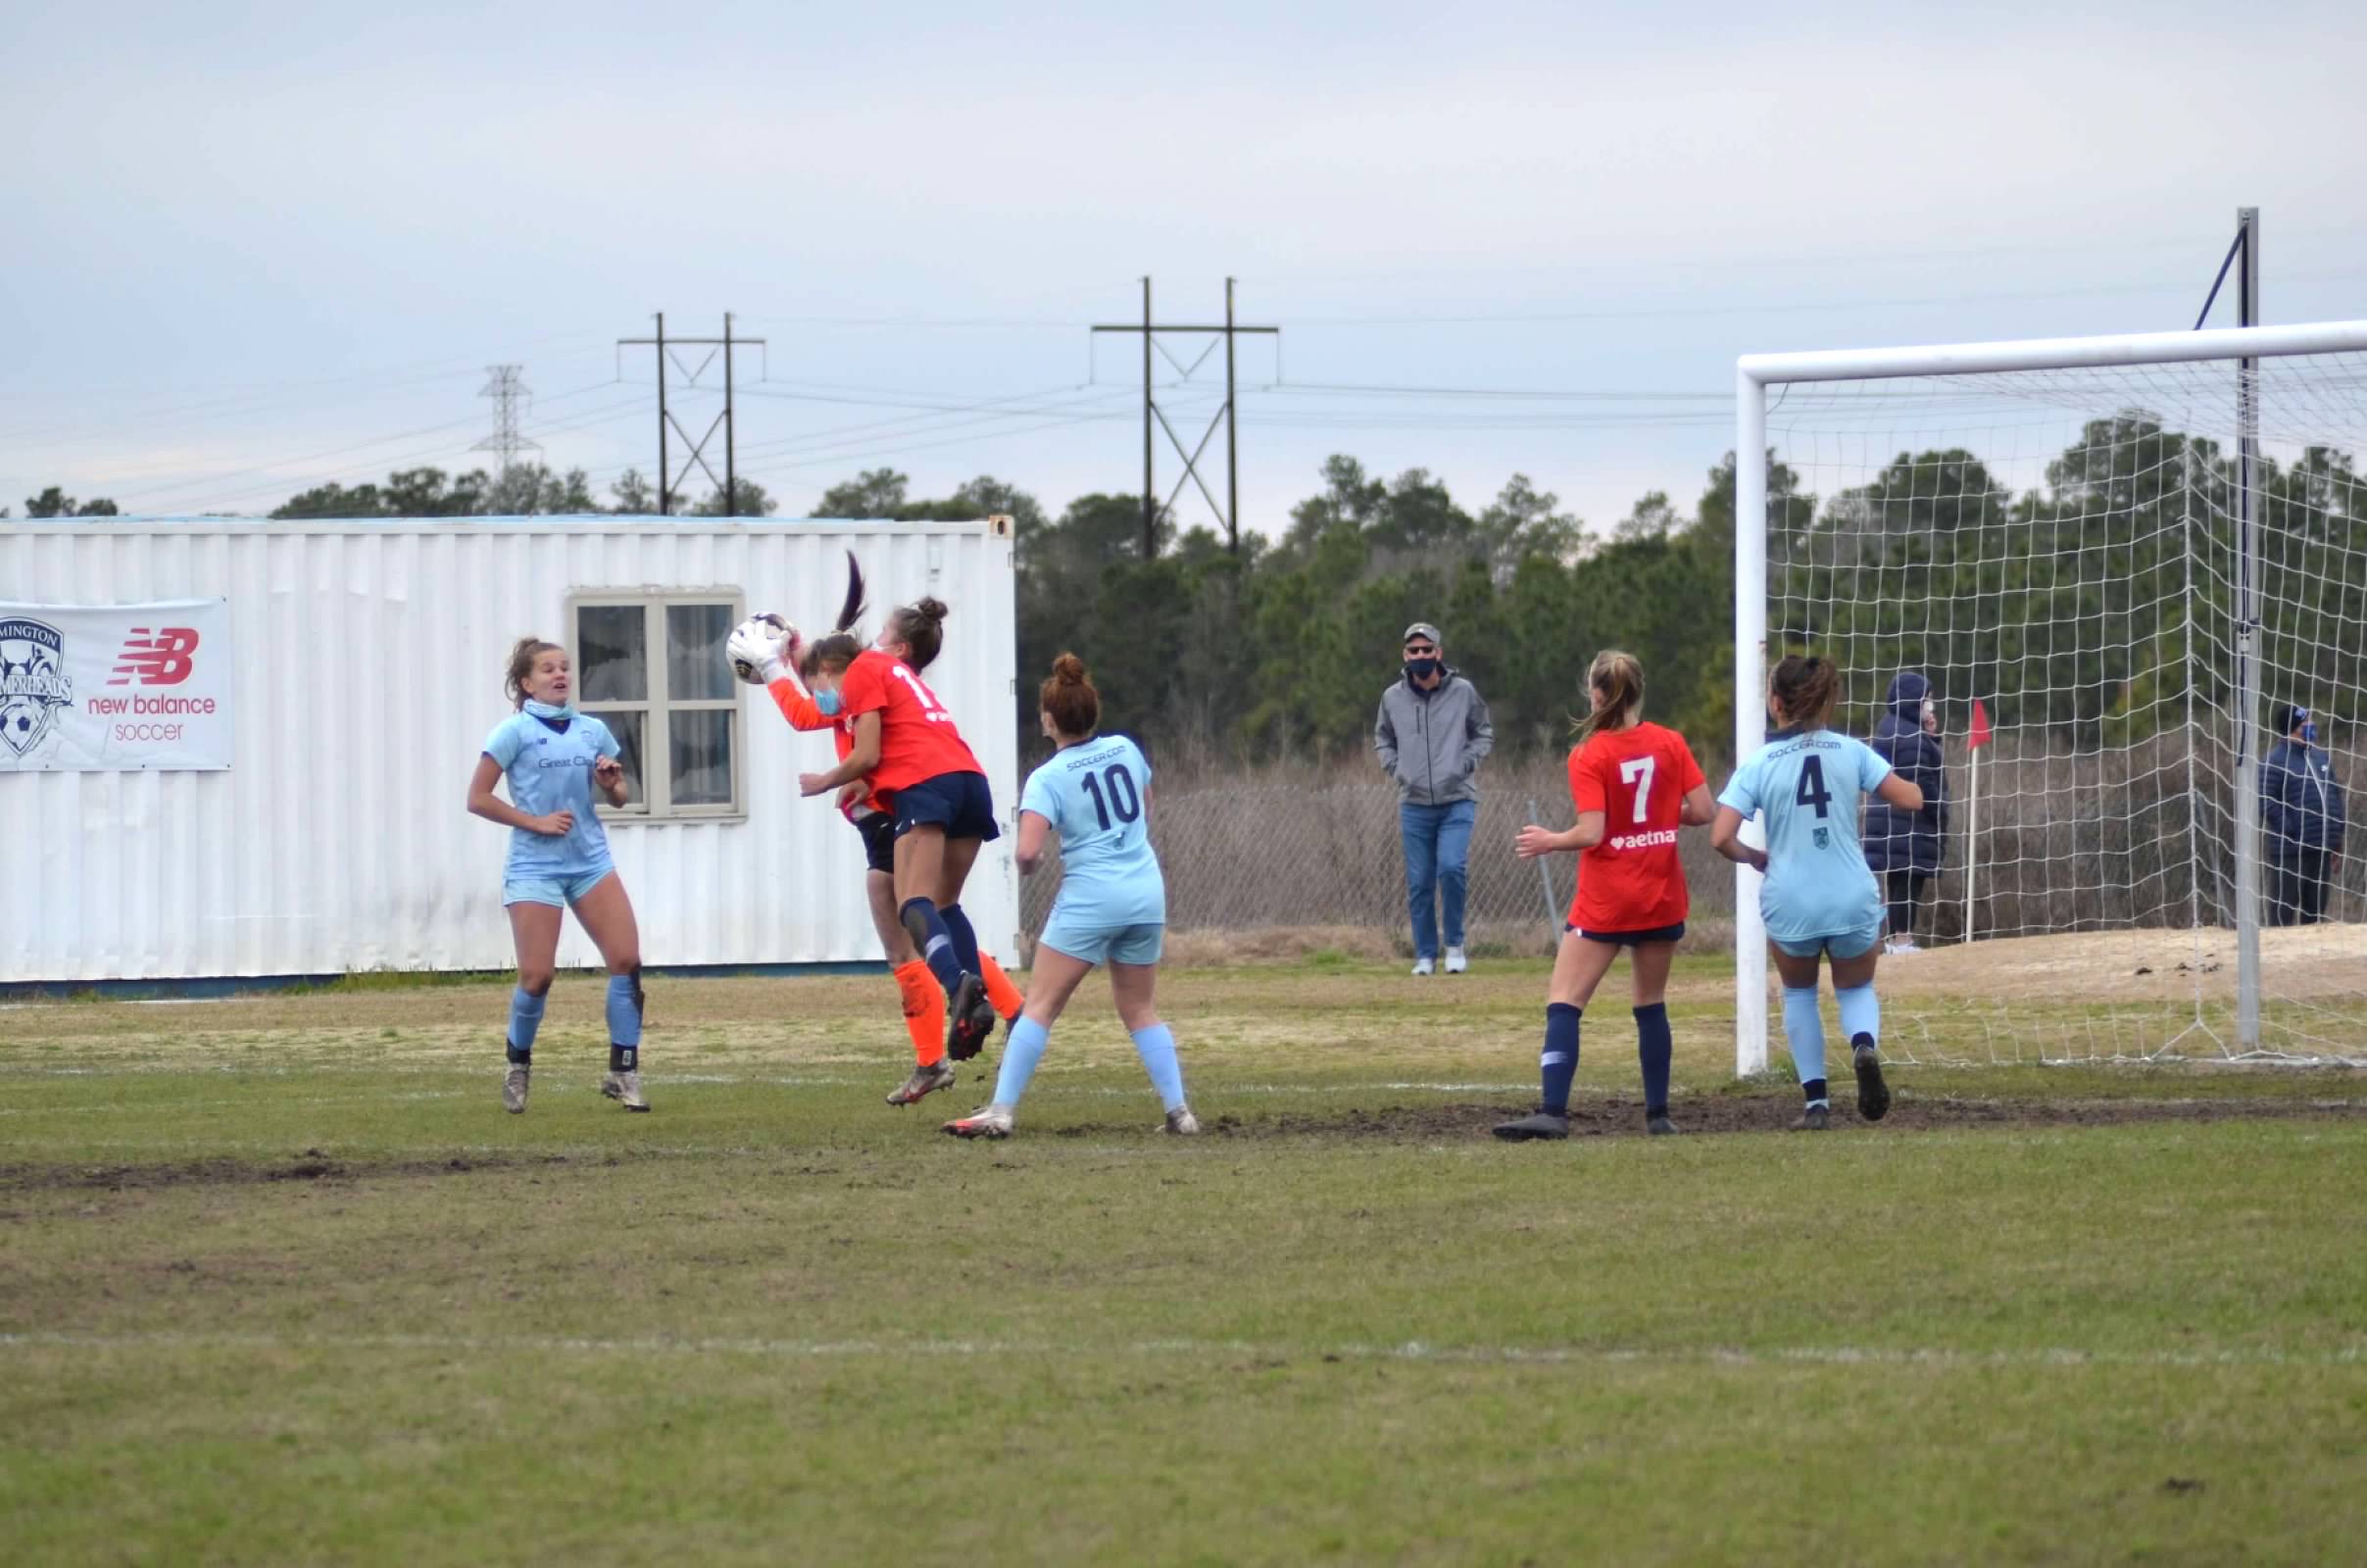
(1438,845)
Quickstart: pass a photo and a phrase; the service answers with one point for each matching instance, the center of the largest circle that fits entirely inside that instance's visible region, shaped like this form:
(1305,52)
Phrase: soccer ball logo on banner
(33,683)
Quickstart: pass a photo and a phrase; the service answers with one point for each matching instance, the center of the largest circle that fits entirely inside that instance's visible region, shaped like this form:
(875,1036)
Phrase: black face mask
(1422,668)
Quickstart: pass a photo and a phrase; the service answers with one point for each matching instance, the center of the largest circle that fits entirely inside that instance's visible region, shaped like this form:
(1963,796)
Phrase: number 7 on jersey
(1637,770)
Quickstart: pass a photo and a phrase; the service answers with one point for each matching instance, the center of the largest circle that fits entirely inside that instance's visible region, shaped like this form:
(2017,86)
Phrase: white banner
(115,688)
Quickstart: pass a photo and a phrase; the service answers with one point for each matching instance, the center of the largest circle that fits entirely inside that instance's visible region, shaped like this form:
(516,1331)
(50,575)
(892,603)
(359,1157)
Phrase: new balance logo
(158,658)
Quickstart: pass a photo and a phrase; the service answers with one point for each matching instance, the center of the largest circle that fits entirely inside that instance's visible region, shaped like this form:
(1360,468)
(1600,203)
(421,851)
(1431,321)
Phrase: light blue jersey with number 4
(1810,788)
(1093,794)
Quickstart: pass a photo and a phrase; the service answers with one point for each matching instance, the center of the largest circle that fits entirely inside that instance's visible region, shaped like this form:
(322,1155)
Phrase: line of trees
(2100,607)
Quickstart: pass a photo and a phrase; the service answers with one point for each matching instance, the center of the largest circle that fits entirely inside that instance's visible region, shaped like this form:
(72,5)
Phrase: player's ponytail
(921,627)
(1615,682)
(851,612)
(1805,687)
(1068,698)
(522,654)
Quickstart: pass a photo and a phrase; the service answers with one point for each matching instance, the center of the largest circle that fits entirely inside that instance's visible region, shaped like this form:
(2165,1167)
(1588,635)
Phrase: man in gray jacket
(1432,731)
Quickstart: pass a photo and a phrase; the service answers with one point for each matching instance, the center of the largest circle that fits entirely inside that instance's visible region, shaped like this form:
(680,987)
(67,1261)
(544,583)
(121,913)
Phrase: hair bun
(932,610)
(1068,670)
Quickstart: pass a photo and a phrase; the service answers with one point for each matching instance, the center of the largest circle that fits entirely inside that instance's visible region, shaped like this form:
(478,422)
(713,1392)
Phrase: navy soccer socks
(1557,1063)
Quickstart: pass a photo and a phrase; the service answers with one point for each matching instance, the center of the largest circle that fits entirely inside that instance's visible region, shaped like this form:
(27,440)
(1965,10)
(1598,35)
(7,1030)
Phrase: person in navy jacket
(2302,817)
(1902,848)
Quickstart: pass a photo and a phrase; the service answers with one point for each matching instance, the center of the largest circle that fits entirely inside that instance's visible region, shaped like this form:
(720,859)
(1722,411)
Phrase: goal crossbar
(1755,373)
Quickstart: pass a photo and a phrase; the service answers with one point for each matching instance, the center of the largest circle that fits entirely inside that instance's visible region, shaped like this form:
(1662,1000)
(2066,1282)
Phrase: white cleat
(990,1121)
(1181,1122)
(1457,964)
(625,1089)
(1422,966)
(513,1088)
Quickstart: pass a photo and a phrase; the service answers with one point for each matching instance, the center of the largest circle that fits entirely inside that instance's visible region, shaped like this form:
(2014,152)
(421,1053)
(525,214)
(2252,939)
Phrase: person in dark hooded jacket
(1902,848)
(2304,818)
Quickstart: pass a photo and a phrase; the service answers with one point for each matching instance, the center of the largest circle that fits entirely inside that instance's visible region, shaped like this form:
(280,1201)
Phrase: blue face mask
(546,711)
(826,702)
(2309,733)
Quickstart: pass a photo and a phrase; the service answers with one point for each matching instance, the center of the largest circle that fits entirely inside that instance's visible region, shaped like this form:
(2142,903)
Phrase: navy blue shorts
(1635,939)
(878,830)
(958,803)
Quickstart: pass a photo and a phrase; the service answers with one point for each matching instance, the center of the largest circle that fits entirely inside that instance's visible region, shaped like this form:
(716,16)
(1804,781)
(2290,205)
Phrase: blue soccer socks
(1558,1064)
(929,933)
(1804,1031)
(1656,1047)
(1022,1048)
(624,1009)
(525,1017)
(1156,1046)
(1861,1012)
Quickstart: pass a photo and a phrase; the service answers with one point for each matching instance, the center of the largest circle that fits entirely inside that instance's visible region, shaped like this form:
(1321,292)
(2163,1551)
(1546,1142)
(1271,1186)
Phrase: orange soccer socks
(923,1009)
(999,989)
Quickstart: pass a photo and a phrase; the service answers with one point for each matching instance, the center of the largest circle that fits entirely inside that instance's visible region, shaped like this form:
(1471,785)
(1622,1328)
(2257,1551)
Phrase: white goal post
(2075,532)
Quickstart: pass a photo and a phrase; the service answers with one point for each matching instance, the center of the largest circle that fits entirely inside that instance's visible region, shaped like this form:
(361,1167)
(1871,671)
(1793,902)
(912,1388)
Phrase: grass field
(279,1283)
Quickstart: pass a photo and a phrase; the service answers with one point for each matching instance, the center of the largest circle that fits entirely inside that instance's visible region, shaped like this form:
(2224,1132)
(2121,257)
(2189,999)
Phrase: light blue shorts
(1851,944)
(1110,943)
(559,892)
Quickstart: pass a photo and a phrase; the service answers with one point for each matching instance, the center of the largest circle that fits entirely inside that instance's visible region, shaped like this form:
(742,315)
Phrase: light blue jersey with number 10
(1094,795)
(1809,787)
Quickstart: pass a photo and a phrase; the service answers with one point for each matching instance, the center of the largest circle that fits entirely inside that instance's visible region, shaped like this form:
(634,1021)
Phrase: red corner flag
(1979,735)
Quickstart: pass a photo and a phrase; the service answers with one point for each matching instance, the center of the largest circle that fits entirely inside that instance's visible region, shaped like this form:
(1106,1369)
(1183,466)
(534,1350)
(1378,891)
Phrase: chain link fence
(1294,859)
(1299,857)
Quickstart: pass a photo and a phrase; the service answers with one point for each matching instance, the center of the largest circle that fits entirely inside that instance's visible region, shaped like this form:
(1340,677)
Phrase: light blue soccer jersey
(549,772)
(1810,785)
(1093,797)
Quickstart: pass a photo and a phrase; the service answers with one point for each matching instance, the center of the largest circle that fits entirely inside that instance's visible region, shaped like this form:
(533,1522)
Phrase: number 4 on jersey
(1812,791)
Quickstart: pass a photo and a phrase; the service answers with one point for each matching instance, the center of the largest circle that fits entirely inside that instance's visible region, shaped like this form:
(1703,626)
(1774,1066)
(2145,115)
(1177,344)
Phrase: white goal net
(2127,582)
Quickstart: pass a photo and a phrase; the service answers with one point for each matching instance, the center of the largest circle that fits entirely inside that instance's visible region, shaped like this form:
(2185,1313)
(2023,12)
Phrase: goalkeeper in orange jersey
(802,681)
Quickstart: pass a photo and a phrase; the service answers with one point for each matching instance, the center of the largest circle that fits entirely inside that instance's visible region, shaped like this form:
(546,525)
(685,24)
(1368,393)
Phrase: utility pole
(1154,414)
(509,394)
(726,421)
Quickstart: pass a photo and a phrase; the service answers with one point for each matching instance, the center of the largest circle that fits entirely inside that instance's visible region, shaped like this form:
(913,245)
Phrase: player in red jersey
(1634,785)
(804,686)
(906,749)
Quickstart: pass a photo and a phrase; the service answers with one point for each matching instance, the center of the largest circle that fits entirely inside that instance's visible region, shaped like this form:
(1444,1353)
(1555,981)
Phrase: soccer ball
(756,638)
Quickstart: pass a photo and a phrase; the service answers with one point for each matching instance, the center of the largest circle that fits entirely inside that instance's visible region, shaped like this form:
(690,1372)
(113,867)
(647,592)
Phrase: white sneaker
(990,1121)
(1902,947)
(1457,964)
(1181,1122)
(625,1089)
(1422,966)
(513,1088)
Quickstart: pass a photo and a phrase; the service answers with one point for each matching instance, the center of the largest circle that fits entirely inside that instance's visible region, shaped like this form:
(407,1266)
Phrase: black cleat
(1539,1124)
(1660,1127)
(1873,1095)
(1813,1119)
(970,1018)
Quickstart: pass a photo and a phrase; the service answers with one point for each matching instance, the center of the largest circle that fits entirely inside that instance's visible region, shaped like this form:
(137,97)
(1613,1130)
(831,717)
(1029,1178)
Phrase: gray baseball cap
(1423,628)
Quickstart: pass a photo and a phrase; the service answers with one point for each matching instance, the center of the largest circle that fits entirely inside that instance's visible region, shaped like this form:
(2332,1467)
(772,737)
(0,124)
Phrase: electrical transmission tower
(665,346)
(509,395)
(1153,414)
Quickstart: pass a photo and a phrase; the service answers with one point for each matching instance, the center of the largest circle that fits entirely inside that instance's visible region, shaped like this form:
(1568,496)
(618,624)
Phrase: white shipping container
(370,664)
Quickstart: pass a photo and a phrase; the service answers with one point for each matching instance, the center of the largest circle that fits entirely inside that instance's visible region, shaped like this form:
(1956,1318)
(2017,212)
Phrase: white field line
(1413,1350)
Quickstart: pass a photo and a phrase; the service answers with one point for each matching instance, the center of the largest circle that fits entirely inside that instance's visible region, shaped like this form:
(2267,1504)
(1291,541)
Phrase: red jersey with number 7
(1638,778)
(918,739)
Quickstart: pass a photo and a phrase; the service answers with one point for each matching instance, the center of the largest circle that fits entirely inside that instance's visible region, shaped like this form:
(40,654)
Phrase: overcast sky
(259,246)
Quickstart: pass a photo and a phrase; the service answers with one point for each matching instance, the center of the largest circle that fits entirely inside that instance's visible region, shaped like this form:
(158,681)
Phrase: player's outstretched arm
(1726,837)
(1901,792)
